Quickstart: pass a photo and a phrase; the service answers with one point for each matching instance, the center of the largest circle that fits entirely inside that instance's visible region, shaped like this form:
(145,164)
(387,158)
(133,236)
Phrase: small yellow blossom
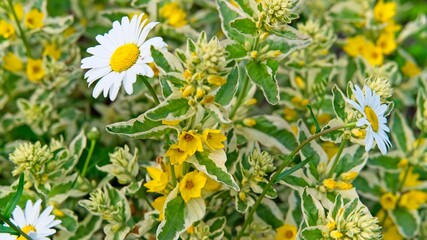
(355,46)
(286,232)
(384,12)
(392,27)
(190,142)
(343,185)
(156,71)
(387,43)
(251,102)
(35,70)
(323,118)
(34,19)
(175,15)
(358,133)
(348,176)
(336,234)
(6,29)
(253,54)
(403,163)
(176,155)
(187,90)
(12,63)
(158,204)
(299,102)
(389,229)
(410,69)
(290,114)
(413,199)
(329,183)
(51,49)
(213,138)
(159,180)
(331,224)
(191,185)
(250,122)
(373,54)
(19,10)
(388,201)
(212,185)
(234,4)
(299,82)
(216,80)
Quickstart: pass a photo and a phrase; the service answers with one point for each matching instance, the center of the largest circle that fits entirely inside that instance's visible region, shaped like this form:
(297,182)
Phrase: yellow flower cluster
(344,183)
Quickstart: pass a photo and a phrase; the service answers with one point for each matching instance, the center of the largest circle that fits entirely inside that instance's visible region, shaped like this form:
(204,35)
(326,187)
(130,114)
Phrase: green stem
(173,174)
(150,89)
(16,228)
(89,156)
(21,31)
(280,169)
(337,157)
(241,96)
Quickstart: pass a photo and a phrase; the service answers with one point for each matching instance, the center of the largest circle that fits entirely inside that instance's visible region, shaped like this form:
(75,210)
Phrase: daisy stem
(16,228)
(89,156)
(150,89)
(337,157)
(279,170)
(21,31)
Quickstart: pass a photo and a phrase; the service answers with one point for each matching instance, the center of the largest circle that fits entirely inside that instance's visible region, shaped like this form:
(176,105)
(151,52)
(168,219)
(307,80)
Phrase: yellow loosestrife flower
(330,148)
(329,183)
(410,69)
(191,185)
(387,43)
(290,114)
(214,138)
(6,29)
(413,199)
(19,10)
(286,232)
(190,142)
(391,27)
(51,49)
(175,15)
(34,19)
(176,155)
(158,204)
(12,63)
(373,54)
(35,70)
(159,180)
(388,201)
(384,12)
(355,45)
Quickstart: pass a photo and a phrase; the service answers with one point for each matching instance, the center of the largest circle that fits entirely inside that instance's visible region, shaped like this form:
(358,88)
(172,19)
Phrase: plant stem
(150,89)
(173,174)
(21,31)
(280,169)
(337,157)
(16,228)
(242,95)
(89,156)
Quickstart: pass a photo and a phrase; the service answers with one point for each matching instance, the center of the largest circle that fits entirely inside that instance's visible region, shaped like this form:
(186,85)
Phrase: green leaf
(295,168)
(245,5)
(339,102)
(87,228)
(262,76)
(312,233)
(285,45)
(270,213)
(352,157)
(401,132)
(227,91)
(160,60)
(141,128)
(213,165)
(78,144)
(310,209)
(407,221)
(271,131)
(139,3)
(11,205)
(5,229)
(316,123)
(244,25)
(171,109)
(236,51)
(387,162)
(337,206)
(69,220)
(227,13)
(420,120)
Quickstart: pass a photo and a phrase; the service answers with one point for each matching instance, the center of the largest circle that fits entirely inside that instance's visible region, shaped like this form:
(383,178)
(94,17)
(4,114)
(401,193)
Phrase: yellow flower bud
(187,91)
(254,54)
(250,122)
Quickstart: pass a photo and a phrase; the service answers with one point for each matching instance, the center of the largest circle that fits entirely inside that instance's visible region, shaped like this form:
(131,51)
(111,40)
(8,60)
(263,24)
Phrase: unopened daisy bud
(253,54)
(251,101)
(348,176)
(299,82)
(250,122)
(216,80)
(188,90)
(93,134)
(329,183)
(381,86)
(343,185)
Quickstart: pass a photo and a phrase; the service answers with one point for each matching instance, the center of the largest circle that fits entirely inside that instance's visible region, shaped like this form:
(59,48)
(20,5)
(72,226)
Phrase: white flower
(122,54)
(30,221)
(369,105)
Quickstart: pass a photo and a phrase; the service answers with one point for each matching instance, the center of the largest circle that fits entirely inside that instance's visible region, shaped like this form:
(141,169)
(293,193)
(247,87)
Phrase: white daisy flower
(122,54)
(30,221)
(369,105)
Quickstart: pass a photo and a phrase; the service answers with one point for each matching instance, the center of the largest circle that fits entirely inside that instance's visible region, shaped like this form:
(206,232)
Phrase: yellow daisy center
(27,229)
(124,57)
(372,118)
